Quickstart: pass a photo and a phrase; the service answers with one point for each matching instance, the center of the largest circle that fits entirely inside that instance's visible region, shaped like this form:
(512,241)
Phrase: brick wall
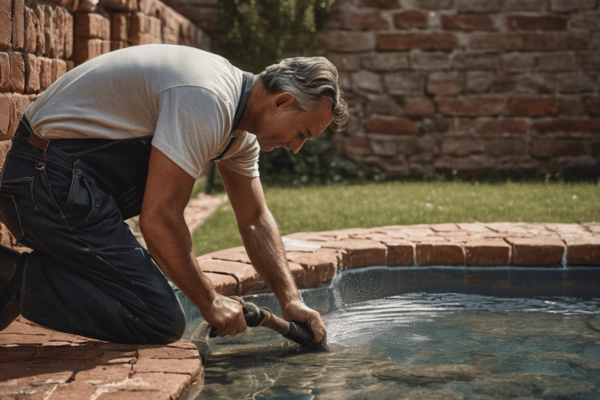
(473,87)
(41,40)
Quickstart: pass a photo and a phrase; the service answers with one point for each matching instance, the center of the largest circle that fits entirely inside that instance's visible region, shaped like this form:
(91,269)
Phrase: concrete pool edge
(37,362)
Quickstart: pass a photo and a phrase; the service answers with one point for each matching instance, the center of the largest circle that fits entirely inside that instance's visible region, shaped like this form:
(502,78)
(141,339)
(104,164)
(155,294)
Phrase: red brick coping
(476,244)
(38,363)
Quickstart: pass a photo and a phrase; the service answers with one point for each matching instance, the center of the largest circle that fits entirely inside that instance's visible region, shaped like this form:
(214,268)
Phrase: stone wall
(41,40)
(470,87)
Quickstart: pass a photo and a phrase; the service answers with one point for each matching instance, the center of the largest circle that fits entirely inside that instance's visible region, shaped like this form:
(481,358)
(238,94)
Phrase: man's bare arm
(165,231)
(265,248)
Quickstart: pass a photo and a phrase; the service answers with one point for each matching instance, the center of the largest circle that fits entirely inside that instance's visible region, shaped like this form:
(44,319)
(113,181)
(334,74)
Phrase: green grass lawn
(313,209)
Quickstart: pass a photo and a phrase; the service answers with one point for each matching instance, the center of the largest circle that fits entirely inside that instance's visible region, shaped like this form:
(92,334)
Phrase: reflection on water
(419,345)
(423,346)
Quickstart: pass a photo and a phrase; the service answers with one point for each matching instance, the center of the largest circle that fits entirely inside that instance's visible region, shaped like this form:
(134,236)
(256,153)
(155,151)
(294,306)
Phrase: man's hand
(300,312)
(226,315)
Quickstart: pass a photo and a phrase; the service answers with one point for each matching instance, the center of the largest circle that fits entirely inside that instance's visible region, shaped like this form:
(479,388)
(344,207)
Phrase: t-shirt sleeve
(243,155)
(191,124)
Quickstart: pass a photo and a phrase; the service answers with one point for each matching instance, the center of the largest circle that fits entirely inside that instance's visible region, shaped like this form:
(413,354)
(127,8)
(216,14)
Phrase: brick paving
(38,363)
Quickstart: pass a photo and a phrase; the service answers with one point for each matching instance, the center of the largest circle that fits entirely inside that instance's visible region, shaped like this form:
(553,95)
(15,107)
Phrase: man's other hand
(300,312)
(226,315)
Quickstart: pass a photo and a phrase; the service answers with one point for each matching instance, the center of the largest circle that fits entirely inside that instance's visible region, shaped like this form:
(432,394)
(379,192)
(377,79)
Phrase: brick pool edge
(40,363)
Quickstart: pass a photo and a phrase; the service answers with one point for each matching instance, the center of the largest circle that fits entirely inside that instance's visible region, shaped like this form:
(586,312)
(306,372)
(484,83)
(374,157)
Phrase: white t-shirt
(184,98)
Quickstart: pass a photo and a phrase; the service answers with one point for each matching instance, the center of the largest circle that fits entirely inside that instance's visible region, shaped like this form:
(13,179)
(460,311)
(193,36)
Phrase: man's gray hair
(310,80)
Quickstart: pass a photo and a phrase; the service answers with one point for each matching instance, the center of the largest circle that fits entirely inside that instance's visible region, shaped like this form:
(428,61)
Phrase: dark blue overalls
(68,200)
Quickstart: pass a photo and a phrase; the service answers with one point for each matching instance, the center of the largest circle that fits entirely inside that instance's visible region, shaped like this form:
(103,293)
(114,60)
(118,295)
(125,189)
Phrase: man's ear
(284,99)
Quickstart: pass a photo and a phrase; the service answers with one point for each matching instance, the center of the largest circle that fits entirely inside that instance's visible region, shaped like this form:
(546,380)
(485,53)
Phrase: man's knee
(171,325)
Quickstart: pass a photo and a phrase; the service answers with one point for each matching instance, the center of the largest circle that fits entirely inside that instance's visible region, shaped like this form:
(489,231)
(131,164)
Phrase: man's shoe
(11,275)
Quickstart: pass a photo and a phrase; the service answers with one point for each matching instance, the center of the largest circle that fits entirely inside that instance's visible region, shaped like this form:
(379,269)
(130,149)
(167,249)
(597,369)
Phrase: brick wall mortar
(41,40)
(513,88)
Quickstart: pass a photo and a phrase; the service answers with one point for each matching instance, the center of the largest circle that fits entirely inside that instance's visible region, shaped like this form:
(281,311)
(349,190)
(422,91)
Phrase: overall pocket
(9,209)
(80,206)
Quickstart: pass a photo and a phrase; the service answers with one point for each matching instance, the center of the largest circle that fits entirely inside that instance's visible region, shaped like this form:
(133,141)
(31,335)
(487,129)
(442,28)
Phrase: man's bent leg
(88,275)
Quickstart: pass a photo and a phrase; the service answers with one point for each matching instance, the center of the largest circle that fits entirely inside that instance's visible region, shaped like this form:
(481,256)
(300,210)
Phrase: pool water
(422,345)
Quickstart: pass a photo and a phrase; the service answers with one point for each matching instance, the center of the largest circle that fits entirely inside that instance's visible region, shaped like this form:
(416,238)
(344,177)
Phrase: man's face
(286,126)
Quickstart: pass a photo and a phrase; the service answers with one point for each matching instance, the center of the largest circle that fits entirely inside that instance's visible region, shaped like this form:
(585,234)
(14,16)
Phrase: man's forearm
(266,251)
(170,244)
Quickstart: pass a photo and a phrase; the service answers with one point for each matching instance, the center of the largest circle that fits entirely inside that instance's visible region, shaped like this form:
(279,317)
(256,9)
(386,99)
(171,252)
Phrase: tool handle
(252,315)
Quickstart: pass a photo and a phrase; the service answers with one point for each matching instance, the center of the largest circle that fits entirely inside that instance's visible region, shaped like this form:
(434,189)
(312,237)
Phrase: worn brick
(384,62)
(470,106)
(423,41)
(504,126)
(121,5)
(530,23)
(411,19)
(226,285)
(418,106)
(367,81)
(46,73)
(567,126)
(40,47)
(518,62)
(369,20)
(5,25)
(496,41)
(439,254)
(86,49)
(32,73)
(556,62)
(191,367)
(59,68)
(555,41)
(536,251)
(482,61)
(359,253)
(50,31)
(531,107)
(91,25)
(592,105)
(400,252)
(572,5)
(430,60)
(571,106)
(445,83)
(480,82)
(6,105)
(384,147)
(487,252)
(119,27)
(405,83)
(105,374)
(462,147)
(434,4)
(29,35)
(590,60)
(477,6)
(393,127)
(320,266)
(468,22)
(524,5)
(583,250)
(248,279)
(18,25)
(500,147)
(349,42)
(547,148)
(5,85)
(384,4)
